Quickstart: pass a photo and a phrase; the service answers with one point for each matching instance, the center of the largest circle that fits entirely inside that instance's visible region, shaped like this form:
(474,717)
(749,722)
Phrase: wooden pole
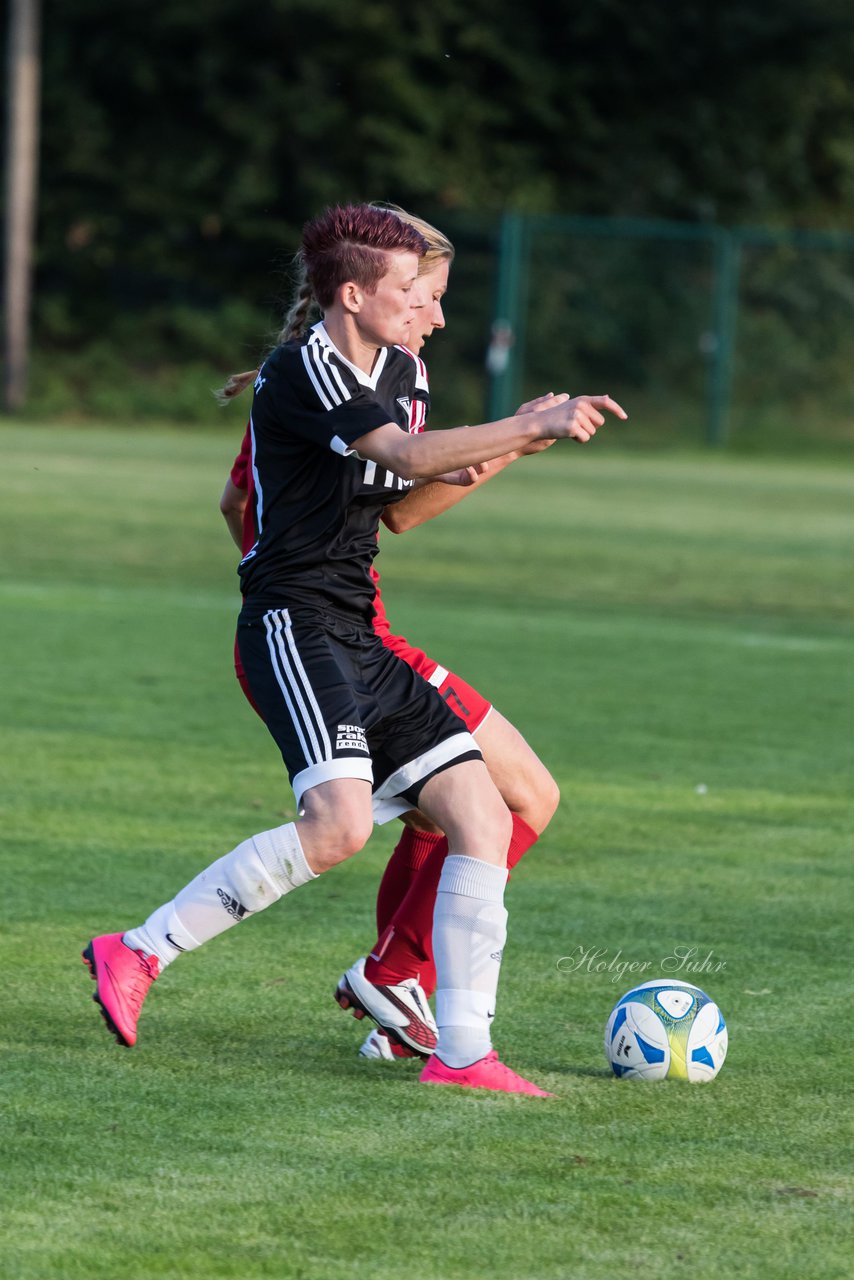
(22,141)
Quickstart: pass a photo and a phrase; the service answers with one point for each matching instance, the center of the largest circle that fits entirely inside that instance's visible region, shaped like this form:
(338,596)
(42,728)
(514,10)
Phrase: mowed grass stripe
(655,625)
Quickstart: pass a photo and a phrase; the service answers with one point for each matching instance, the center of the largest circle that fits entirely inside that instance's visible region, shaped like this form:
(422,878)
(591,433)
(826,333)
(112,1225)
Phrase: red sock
(411,852)
(405,948)
(520,842)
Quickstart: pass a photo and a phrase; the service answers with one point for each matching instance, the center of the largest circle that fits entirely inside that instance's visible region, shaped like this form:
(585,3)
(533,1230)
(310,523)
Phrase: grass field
(674,635)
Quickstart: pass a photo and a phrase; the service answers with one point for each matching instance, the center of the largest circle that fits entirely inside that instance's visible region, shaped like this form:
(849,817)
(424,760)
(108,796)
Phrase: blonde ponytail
(236,383)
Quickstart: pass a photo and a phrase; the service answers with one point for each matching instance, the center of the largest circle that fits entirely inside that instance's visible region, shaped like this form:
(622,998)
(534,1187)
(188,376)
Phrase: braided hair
(296,322)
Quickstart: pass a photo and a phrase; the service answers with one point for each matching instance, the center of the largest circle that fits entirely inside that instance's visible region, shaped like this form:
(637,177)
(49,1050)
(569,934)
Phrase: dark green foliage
(183,146)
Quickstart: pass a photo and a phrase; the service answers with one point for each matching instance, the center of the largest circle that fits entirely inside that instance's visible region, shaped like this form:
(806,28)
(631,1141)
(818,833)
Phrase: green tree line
(184,144)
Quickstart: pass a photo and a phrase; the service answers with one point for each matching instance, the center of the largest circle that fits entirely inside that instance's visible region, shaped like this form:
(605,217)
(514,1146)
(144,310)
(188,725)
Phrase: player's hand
(536,446)
(581,417)
(465,476)
(547,401)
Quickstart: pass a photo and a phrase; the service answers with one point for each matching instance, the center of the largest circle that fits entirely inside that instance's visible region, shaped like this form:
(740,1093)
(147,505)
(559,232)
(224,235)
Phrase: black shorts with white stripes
(339,704)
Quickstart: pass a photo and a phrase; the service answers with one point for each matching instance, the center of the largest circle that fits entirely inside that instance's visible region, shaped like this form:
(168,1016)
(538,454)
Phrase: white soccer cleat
(400,1010)
(381,1047)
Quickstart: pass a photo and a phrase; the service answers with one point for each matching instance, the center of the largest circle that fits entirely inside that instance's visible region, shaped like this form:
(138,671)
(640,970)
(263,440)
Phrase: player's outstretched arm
(435,452)
(434,497)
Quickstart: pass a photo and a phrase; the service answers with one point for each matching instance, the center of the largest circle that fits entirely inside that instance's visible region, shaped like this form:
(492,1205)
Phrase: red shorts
(469,705)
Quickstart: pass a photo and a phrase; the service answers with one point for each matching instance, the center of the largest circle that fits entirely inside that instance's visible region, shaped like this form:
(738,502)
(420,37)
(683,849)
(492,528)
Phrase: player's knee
(497,826)
(484,824)
(534,795)
(544,802)
(340,839)
(333,828)
(354,834)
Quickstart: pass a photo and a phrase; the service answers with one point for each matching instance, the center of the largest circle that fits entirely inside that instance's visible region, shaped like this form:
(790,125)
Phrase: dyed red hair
(350,242)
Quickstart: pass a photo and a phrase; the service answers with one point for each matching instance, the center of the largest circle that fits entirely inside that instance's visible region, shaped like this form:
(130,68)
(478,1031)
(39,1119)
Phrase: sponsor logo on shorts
(351,737)
(234,908)
(456,703)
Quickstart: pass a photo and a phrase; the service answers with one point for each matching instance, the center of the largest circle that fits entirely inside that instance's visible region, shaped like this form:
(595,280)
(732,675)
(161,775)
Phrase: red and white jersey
(420,404)
(241,478)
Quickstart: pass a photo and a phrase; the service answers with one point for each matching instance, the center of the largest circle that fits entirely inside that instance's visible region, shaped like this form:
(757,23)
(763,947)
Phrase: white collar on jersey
(366,379)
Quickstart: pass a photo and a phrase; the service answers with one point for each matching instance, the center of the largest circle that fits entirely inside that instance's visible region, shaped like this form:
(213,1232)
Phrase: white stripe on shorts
(296,689)
(388,802)
(349,767)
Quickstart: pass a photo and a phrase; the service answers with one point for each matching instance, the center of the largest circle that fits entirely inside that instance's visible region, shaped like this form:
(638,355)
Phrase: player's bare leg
(479,827)
(526,786)
(524,782)
(407,892)
(336,822)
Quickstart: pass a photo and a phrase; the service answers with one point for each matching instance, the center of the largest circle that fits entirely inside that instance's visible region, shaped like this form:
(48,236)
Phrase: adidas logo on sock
(234,908)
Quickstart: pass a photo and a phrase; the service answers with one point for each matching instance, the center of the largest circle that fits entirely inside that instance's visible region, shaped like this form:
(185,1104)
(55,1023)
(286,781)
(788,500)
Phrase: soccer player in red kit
(392,985)
(358,730)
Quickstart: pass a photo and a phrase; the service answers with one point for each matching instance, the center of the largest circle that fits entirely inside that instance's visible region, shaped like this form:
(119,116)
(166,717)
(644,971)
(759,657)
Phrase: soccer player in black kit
(359,731)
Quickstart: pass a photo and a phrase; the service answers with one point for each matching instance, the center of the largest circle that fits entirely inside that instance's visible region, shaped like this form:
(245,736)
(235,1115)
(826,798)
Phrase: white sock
(469,932)
(254,875)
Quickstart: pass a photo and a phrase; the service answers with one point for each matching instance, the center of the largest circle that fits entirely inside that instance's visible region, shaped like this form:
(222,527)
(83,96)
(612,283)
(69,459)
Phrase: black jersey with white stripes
(317,504)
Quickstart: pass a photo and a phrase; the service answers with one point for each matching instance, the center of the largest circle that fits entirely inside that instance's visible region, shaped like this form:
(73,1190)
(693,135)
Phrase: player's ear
(351,296)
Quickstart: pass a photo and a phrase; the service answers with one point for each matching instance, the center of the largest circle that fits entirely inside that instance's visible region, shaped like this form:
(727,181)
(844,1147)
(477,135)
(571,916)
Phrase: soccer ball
(666,1031)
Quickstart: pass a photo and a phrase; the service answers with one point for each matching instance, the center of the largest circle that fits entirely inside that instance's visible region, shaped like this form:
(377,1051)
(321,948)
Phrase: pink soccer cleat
(486,1073)
(123,977)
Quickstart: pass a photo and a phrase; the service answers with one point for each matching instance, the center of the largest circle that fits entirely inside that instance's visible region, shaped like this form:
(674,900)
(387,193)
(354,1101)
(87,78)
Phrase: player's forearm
(435,497)
(423,504)
(434,452)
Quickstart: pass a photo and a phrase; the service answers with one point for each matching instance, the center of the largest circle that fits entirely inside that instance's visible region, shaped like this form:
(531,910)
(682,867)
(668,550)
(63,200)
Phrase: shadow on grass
(562,1069)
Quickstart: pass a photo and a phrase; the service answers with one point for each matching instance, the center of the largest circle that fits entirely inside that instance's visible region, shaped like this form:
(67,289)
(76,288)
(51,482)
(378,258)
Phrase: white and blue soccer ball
(666,1031)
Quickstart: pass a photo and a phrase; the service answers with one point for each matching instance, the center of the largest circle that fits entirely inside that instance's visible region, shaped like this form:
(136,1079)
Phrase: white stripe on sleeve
(323,373)
(321,394)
